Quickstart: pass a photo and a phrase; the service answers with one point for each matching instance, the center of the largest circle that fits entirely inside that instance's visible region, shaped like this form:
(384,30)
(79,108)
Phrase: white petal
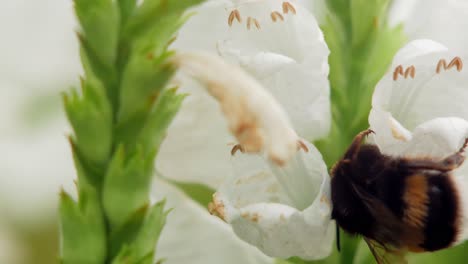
(198,143)
(400,11)
(412,101)
(198,137)
(437,138)
(262,205)
(294,45)
(191,235)
(295,72)
(442,21)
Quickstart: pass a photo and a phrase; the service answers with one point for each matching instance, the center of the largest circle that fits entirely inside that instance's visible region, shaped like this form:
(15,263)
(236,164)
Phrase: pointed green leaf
(366,16)
(100,22)
(82,228)
(150,13)
(165,109)
(91,117)
(143,79)
(126,186)
(126,9)
(145,243)
(142,250)
(126,234)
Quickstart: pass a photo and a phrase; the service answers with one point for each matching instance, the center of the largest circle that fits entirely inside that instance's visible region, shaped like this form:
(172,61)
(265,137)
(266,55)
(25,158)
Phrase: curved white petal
(284,212)
(422,88)
(191,235)
(289,58)
(442,21)
(436,138)
(254,117)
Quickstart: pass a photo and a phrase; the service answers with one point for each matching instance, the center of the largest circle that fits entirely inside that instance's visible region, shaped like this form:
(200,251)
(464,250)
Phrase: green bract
(119,118)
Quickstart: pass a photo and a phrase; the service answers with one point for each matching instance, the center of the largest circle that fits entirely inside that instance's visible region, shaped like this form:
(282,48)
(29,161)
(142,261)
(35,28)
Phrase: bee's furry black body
(367,195)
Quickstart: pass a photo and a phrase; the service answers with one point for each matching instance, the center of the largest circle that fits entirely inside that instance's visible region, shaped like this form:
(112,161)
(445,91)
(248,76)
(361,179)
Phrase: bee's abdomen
(442,220)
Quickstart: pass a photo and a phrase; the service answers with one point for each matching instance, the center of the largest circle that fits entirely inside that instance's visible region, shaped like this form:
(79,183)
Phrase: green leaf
(126,9)
(148,236)
(91,117)
(366,16)
(82,228)
(165,109)
(200,193)
(100,22)
(126,234)
(143,247)
(150,13)
(126,186)
(142,81)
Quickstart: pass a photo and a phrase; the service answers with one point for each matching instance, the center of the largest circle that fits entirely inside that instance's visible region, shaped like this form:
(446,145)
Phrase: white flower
(288,57)
(420,108)
(442,21)
(193,236)
(284,211)
(281,208)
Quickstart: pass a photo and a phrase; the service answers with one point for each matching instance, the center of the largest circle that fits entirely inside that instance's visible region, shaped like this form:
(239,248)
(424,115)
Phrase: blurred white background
(38,59)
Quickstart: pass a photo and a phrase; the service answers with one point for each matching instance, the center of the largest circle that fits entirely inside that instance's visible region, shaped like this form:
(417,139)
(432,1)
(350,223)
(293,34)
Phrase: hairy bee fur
(399,203)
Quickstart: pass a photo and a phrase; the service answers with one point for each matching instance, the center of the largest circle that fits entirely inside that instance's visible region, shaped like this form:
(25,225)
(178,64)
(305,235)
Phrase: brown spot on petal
(277,160)
(282,217)
(255,217)
(324,199)
(216,208)
(397,135)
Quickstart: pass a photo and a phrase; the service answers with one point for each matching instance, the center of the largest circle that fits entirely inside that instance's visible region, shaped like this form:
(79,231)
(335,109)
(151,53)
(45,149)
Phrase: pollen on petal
(254,117)
(217,208)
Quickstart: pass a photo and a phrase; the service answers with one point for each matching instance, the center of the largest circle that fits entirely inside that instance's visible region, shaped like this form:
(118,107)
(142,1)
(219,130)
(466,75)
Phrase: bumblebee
(397,204)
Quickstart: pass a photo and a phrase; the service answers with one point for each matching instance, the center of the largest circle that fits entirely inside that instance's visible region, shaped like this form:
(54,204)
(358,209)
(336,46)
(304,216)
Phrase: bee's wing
(385,255)
(390,227)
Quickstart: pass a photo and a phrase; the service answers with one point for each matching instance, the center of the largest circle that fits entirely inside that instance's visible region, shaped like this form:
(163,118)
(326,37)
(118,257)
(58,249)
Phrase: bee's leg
(447,164)
(356,144)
